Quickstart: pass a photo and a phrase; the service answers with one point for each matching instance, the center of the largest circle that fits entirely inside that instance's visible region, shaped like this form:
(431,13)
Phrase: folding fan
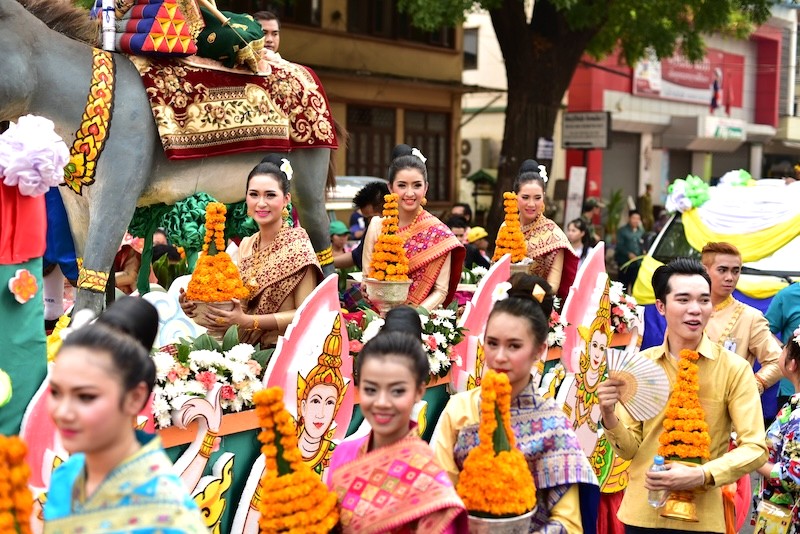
(646,386)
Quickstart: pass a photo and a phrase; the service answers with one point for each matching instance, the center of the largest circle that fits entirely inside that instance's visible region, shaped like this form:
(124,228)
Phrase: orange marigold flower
(389,261)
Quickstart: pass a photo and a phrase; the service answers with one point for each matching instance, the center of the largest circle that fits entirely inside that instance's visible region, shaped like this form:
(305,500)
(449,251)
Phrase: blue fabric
(590,505)
(783,315)
(60,246)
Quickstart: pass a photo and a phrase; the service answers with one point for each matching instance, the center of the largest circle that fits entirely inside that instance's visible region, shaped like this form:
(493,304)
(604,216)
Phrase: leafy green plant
(166,272)
(230,340)
(614,206)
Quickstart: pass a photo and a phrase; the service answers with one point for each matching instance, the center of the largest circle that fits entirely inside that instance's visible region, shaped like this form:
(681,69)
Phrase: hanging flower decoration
(389,261)
(687,194)
(510,490)
(293,498)
(23,286)
(16,501)
(32,156)
(510,239)
(737,178)
(685,434)
(623,309)
(215,278)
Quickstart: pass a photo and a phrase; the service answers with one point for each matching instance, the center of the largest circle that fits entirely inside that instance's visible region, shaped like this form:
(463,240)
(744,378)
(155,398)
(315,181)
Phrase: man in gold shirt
(728,395)
(734,325)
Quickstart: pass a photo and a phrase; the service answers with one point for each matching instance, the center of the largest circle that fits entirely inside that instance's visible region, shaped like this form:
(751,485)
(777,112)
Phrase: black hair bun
(401,150)
(529,165)
(403,319)
(523,286)
(135,317)
(272,157)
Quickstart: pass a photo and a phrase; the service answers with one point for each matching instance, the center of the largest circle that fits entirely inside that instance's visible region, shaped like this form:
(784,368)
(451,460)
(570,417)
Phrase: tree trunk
(540,58)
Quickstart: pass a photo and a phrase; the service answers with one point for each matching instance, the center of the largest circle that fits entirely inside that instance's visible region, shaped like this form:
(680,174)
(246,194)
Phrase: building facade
(387,82)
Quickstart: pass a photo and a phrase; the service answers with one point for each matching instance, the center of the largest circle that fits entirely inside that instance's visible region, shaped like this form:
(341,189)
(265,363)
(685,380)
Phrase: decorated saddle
(201,112)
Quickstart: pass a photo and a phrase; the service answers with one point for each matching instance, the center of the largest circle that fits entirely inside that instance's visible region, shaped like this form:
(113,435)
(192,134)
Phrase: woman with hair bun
(516,337)
(390,375)
(435,255)
(278,263)
(548,246)
(116,478)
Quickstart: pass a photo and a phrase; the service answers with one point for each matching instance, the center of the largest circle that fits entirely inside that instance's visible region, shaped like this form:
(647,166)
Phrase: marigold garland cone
(510,239)
(496,481)
(215,277)
(16,502)
(389,261)
(292,497)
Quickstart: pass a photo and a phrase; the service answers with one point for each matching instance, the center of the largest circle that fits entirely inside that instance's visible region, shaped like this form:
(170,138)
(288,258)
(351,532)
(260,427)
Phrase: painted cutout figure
(582,405)
(319,396)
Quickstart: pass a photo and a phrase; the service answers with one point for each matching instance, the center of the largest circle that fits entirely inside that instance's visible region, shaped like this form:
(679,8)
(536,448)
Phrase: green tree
(541,54)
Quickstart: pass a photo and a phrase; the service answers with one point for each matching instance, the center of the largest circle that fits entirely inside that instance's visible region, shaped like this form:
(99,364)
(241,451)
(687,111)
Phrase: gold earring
(423,202)
(284,212)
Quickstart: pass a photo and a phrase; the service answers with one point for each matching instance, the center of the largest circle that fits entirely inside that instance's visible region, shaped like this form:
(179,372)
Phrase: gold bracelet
(255,322)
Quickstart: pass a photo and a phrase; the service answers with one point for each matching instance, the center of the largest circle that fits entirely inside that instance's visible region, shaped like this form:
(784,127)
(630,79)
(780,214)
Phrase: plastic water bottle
(657,498)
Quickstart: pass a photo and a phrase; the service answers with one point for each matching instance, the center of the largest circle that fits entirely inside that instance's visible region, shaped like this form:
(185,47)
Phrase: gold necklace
(407,229)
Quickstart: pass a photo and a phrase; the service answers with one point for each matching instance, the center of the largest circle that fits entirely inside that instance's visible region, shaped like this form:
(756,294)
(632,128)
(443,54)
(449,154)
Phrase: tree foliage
(542,51)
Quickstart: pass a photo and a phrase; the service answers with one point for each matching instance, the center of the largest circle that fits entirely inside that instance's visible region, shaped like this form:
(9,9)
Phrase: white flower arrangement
(556,334)
(623,309)
(439,335)
(474,275)
(194,369)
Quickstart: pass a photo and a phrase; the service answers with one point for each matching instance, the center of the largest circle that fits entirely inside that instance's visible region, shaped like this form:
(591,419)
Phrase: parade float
(203,405)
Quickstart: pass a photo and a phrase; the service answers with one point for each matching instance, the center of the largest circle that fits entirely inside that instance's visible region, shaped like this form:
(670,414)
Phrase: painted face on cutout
(388,391)
(530,201)
(510,348)
(319,409)
(87,402)
(410,186)
(265,200)
(597,349)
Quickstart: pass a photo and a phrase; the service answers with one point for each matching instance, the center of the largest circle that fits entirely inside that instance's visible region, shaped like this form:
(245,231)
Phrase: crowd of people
(118,478)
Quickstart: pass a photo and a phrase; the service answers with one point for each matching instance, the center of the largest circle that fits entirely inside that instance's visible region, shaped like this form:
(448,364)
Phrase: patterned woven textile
(201,112)
(156,27)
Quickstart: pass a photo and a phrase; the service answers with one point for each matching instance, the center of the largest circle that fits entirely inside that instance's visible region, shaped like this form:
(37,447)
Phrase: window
(305,12)
(470,48)
(430,132)
(380,18)
(372,134)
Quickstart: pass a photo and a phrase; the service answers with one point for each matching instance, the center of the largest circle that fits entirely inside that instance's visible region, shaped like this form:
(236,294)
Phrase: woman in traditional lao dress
(781,485)
(548,246)
(516,336)
(435,255)
(116,479)
(390,375)
(278,264)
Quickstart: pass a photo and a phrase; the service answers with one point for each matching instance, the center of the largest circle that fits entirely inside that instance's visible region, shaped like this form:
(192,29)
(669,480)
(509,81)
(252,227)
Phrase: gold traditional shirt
(744,330)
(729,396)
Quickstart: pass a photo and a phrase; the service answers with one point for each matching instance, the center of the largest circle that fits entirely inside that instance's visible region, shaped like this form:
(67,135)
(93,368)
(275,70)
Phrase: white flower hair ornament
(796,335)
(416,152)
(501,292)
(543,173)
(286,168)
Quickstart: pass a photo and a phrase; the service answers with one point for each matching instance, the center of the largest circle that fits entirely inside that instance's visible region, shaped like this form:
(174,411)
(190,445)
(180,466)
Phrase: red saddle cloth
(202,112)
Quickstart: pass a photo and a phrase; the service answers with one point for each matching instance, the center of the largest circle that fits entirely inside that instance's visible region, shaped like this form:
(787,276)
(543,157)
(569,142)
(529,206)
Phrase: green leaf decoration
(499,438)
(231,338)
(262,357)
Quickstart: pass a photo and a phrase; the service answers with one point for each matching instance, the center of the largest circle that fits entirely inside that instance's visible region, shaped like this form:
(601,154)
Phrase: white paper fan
(646,388)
